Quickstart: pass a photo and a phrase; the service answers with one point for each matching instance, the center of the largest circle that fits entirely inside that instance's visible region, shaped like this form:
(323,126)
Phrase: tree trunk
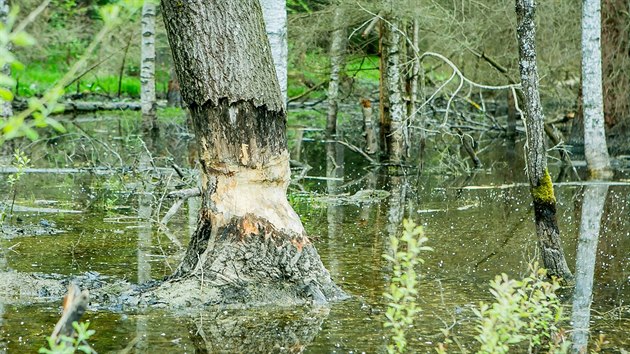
(147,67)
(249,244)
(595,148)
(337,56)
(275,16)
(576,137)
(6,110)
(412,78)
(540,183)
(395,138)
(369,127)
(383,104)
(511,115)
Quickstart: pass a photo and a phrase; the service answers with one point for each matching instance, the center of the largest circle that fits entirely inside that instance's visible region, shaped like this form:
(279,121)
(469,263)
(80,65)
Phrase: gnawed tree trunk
(540,183)
(147,67)
(395,139)
(249,246)
(275,16)
(6,110)
(337,56)
(595,148)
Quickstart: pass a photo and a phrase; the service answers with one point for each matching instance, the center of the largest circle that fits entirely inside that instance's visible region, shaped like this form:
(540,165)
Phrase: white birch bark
(275,16)
(396,105)
(337,55)
(595,148)
(147,65)
(6,110)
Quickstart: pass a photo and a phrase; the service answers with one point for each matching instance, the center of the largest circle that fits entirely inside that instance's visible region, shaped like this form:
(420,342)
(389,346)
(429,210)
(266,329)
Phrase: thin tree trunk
(384,117)
(395,138)
(540,183)
(249,244)
(147,67)
(337,60)
(6,110)
(412,79)
(275,16)
(369,127)
(595,148)
(576,137)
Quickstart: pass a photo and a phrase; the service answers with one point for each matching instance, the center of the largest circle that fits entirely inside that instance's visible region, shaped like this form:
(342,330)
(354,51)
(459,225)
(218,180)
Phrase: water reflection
(251,332)
(145,210)
(592,210)
(334,181)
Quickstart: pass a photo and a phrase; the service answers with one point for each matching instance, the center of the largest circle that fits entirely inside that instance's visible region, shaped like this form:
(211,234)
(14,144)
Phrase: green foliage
(401,297)
(69,345)
(525,313)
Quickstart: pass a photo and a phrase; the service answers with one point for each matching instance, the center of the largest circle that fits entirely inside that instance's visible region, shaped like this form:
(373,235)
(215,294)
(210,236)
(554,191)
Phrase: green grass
(39,77)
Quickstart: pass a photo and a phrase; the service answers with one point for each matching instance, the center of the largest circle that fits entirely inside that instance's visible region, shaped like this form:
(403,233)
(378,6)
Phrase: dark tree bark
(249,245)
(540,183)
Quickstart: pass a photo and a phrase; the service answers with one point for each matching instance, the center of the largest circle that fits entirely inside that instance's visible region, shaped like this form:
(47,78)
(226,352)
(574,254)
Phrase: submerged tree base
(249,261)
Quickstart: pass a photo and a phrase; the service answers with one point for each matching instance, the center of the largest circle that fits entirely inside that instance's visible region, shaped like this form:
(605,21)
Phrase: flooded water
(479,224)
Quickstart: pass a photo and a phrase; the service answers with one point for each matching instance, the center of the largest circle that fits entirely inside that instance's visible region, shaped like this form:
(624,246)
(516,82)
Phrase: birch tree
(6,110)
(147,67)
(275,16)
(249,245)
(395,138)
(337,56)
(595,148)
(541,187)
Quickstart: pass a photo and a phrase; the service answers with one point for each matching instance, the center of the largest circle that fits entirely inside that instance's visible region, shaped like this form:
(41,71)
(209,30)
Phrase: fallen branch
(358,150)
(184,193)
(74,306)
(86,106)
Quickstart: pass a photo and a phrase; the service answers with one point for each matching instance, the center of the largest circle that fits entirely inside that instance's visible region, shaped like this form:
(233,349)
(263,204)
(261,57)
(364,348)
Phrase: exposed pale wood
(74,305)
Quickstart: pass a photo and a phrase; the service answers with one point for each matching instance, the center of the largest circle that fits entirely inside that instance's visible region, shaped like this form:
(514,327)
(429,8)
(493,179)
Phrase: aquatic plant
(21,162)
(69,345)
(525,312)
(402,292)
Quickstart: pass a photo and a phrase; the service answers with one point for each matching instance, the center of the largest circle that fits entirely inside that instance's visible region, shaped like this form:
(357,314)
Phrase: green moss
(543,193)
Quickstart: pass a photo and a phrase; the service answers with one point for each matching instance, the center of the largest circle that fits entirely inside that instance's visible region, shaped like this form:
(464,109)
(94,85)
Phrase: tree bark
(412,79)
(395,138)
(540,183)
(147,67)
(275,16)
(369,127)
(249,244)
(6,109)
(337,59)
(383,105)
(595,148)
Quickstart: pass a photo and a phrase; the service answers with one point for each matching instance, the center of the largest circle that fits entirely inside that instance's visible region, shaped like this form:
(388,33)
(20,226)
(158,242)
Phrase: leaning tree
(541,186)
(249,243)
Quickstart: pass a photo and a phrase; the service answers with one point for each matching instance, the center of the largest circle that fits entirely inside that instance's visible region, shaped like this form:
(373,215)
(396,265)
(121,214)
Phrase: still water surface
(477,230)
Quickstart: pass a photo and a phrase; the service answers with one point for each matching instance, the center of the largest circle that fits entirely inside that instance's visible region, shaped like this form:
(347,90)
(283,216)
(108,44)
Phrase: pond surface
(479,224)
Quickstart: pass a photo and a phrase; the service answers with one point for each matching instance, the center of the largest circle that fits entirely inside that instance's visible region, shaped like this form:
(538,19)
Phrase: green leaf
(6,95)
(23,39)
